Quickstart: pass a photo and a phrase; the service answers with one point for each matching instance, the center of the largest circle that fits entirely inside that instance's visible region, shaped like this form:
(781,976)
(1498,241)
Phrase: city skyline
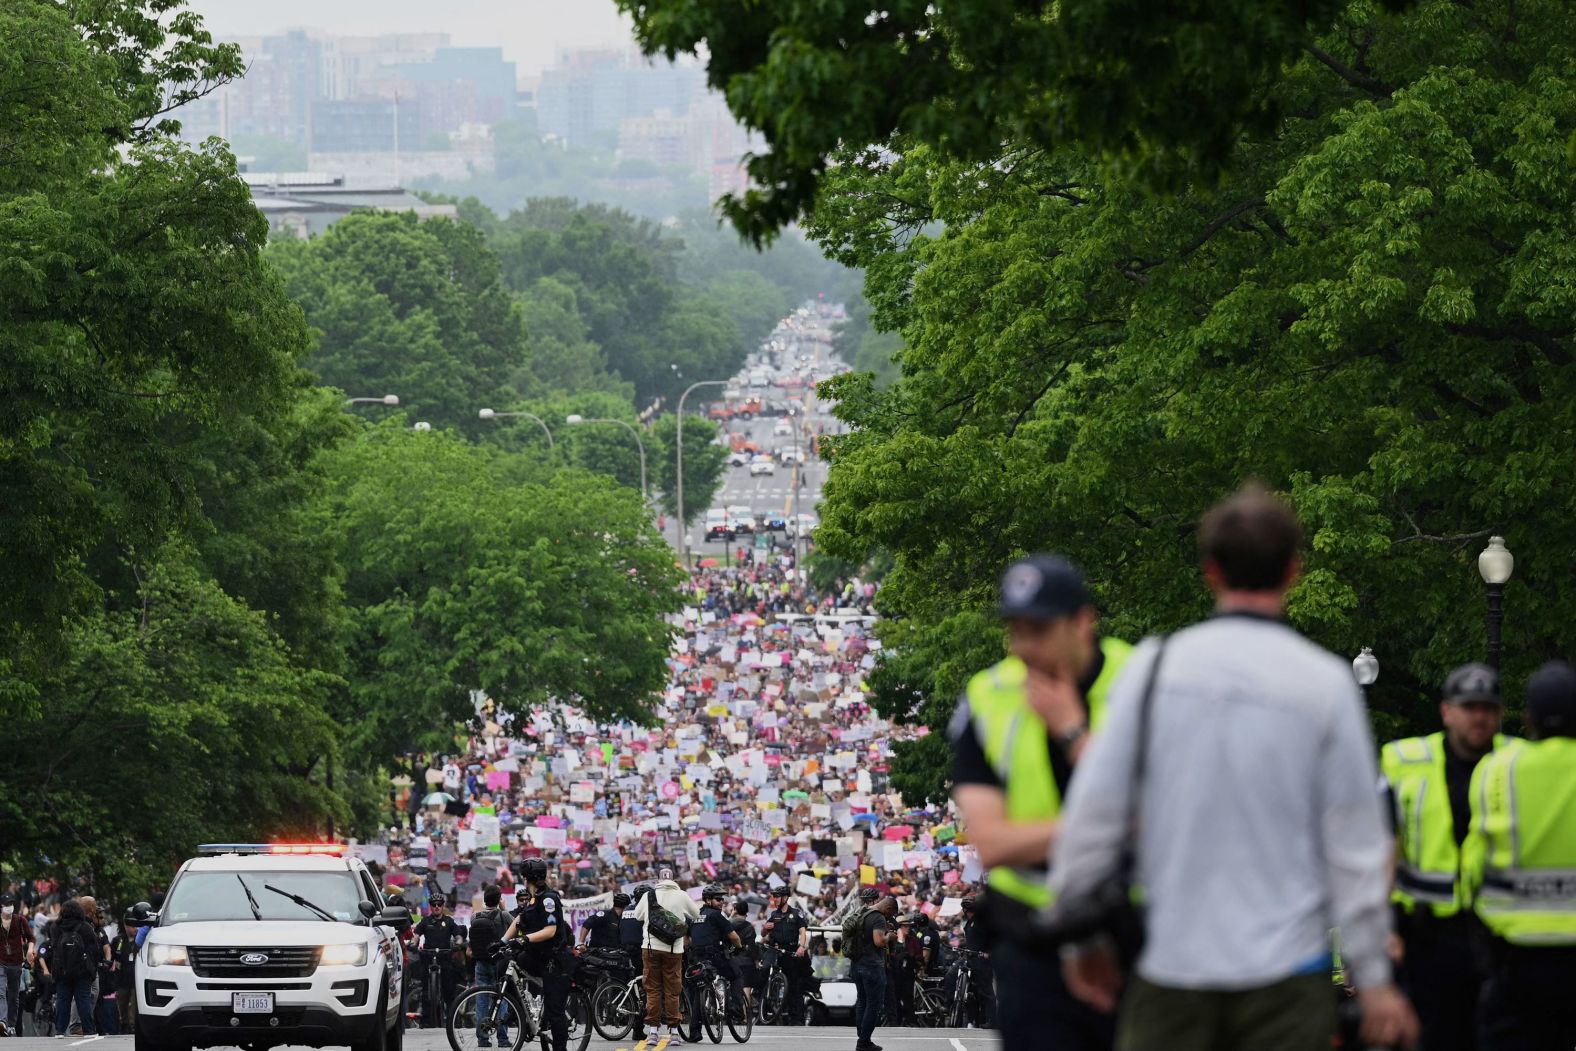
(531,32)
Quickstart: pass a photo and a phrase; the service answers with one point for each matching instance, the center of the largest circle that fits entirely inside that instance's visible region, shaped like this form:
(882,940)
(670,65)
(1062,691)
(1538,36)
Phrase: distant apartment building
(584,100)
(358,94)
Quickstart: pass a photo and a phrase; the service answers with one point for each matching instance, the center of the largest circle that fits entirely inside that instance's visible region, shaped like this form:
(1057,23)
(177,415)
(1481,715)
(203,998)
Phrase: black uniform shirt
(539,913)
(786,925)
(974,938)
(438,932)
(631,932)
(604,927)
(711,933)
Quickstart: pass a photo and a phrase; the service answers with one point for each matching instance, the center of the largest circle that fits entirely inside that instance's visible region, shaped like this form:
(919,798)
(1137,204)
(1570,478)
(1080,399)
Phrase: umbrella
(796,794)
(437,799)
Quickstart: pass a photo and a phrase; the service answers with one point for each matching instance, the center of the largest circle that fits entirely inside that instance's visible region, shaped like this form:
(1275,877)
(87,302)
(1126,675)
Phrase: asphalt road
(773,492)
(833,1038)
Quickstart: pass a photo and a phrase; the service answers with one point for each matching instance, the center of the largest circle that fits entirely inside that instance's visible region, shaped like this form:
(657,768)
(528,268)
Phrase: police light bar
(335,849)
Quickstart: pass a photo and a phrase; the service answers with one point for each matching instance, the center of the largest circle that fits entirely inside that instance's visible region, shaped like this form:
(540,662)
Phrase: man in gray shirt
(1259,829)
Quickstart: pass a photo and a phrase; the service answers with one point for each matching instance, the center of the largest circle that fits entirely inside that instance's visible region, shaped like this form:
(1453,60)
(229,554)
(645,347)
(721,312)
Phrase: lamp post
(577,419)
(1495,564)
(1365,668)
(678,472)
(489,414)
(798,477)
(387,399)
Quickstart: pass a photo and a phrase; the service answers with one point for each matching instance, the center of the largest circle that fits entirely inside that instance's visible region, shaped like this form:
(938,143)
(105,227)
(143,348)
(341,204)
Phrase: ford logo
(253,959)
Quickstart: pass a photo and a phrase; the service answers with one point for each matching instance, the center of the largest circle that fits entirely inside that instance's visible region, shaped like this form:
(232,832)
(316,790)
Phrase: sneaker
(675,1039)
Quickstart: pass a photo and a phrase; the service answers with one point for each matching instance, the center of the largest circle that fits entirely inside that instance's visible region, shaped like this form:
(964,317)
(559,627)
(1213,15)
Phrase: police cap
(1043,587)
(1472,683)
(1551,700)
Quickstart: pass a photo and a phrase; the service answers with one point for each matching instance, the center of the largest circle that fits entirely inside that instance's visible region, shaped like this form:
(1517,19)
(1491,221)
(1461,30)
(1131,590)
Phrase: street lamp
(1365,668)
(488,414)
(683,544)
(421,425)
(1495,565)
(387,399)
(798,479)
(577,419)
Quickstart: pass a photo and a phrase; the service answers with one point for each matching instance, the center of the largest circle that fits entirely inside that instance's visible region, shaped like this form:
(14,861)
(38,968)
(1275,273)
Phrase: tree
(1369,313)
(704,464)
(133,298)
(179,719)
(462,578)
(1161,92)
(411,308)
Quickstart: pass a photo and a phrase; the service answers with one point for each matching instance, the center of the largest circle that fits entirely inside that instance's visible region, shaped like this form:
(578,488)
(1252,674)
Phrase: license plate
(252,1003)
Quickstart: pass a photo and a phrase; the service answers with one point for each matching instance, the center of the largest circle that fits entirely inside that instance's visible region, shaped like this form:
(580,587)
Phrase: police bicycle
(706,998)
(429,994)
(972,971)
(930,1009)
(483,1013)
(774,997)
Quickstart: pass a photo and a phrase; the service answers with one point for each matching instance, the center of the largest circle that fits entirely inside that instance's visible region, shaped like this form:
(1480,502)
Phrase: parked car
(772,521)
(835,993)
(762,465)
(782,427)
(718,527)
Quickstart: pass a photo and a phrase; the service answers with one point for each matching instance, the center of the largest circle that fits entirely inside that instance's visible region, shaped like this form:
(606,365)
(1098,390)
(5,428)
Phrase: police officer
(601,929)
(1428,779)
(546,954)
(710,940)
(1517,866)
(976,957)
(1018,733)
(439,933)
(787,931)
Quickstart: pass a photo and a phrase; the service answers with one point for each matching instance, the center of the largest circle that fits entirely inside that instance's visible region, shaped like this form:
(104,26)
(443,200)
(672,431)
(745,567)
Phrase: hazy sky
(529,31)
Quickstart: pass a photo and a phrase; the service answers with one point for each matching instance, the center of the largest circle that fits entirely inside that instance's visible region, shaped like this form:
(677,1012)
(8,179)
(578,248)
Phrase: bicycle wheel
(955,1015)
(775,999)
(579,1010)
(711,1015)
(614,1009)
(744,1025)
(482,1015)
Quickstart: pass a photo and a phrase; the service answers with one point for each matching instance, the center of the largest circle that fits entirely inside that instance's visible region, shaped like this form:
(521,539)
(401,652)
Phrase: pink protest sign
(670,790)
(549,821)
(897,833)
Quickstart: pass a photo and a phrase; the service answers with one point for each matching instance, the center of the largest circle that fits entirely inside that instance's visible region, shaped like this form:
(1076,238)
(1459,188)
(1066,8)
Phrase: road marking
(958,1045)
(89,1040)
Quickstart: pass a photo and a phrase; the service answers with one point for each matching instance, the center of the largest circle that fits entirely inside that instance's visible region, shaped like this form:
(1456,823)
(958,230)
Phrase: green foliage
(704,464)
(1162,92)
(411,308)
(177,719)
(461,577)
(1370,312)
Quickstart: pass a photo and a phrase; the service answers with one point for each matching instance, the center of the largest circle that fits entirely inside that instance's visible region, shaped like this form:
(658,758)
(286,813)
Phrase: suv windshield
(202,896)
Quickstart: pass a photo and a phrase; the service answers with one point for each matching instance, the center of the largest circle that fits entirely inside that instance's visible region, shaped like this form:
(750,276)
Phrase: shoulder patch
(549,903)
(600,913)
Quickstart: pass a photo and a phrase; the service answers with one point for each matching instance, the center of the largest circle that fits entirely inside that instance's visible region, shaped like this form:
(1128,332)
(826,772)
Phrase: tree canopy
(1370,311)
(1158,92)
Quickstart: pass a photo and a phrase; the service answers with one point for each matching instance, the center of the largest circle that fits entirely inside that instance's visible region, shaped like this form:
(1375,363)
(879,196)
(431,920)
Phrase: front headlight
(160,955)
(344,955)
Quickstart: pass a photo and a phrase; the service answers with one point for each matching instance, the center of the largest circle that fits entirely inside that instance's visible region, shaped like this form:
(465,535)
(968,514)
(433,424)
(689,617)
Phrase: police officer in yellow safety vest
(1428,778)
(1017,735)
(1518,869)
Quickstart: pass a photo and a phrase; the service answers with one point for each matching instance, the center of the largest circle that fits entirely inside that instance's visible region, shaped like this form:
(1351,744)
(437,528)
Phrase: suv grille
(295,961)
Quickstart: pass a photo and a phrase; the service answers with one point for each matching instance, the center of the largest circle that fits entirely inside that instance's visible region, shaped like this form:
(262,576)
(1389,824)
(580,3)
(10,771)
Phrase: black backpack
(70,955)
(664,925)
(485,932)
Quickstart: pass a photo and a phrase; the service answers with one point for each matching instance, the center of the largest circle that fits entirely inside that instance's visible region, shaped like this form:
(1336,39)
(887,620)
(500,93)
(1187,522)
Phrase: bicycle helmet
(621,901)
(644,889)
(534,870)
(714,892)
(869,895)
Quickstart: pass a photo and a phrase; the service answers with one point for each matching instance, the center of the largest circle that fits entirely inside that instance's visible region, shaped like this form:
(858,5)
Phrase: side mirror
(141,915)
(366,908)
(396,916)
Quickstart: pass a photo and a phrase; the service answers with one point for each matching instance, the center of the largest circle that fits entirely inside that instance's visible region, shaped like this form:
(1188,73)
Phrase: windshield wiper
(257,913)
(299,900)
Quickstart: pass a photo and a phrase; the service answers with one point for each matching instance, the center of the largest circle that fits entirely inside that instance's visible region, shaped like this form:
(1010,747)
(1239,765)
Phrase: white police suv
(258,945)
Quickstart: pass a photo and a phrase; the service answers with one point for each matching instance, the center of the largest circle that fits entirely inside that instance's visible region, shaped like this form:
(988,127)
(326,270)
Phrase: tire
(579,1012)
(377,1038)
(462,1020)
(741,1030)
(610,1015)
(141,1041)
(819,1014)
(774,1000)
(711,1015)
